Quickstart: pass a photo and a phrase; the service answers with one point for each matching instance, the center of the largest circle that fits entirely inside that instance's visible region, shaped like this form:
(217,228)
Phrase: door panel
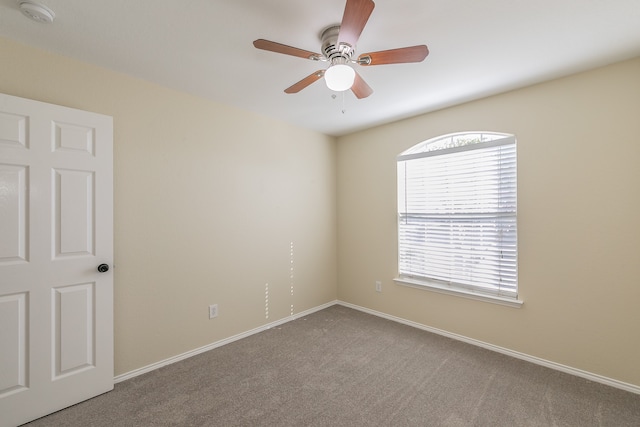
(74,138)
(13,129)
(56,227)
(73,201)
(74,339)
(13,227)
(13,357)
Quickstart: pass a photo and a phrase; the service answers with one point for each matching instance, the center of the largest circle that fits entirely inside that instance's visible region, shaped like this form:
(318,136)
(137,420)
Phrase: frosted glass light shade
(339,77)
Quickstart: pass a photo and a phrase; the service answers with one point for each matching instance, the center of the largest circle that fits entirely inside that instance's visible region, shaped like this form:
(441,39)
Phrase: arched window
(457,227)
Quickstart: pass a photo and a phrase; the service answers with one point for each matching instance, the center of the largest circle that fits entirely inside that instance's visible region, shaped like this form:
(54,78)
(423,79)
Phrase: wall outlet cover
(213,311)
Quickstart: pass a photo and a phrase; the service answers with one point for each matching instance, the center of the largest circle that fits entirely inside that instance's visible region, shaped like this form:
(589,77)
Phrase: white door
(56,228)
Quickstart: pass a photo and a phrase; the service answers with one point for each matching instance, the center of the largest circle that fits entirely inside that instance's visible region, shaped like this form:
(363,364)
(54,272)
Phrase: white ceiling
(204,47)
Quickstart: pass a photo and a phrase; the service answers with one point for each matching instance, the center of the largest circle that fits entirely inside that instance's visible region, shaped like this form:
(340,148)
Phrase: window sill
(494,299)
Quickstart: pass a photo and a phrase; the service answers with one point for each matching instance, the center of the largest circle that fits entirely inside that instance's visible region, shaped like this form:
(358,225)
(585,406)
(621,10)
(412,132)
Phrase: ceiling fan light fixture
(339,77)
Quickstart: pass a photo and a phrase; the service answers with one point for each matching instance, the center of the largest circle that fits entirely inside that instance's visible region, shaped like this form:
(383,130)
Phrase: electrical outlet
(213,311)
(378,286)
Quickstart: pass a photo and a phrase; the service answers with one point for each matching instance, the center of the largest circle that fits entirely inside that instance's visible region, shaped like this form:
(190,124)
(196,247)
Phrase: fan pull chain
(343,109)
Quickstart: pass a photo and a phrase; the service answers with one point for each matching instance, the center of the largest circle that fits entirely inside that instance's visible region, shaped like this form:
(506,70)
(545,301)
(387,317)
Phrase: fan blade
(356,15)
(395,56)
(305,82)
(287,50)
(360,88)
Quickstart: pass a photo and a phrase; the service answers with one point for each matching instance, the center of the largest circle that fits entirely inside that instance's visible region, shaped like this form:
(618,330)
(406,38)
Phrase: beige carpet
(341,367)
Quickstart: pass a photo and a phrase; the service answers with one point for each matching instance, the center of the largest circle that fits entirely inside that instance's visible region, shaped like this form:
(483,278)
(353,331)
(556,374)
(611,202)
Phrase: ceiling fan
(338,48)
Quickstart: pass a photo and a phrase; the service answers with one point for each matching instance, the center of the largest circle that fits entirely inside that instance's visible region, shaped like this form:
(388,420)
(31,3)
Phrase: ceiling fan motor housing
(331,50)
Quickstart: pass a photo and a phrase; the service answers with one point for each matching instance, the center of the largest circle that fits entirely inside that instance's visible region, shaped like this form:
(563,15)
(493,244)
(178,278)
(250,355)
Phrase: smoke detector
(36,11)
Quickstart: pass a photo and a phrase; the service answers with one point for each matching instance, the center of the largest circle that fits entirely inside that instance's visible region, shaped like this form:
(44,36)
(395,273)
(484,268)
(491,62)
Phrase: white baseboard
(538,361)
(179,357)
(533,359)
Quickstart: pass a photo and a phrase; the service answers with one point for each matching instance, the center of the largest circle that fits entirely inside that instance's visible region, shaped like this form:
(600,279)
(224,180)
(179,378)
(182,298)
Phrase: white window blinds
(457,213)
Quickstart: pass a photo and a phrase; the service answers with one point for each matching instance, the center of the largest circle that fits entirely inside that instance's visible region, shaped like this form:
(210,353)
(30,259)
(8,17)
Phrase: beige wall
(208,202)
(578,221)
(189,172)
